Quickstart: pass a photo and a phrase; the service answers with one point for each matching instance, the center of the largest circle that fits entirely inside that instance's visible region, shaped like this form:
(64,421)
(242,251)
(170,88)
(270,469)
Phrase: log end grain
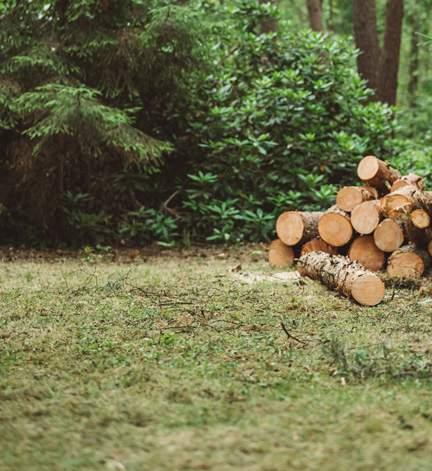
(280,255)
(405,265)
(335,229)
(420,218)
(364,251)
(366,217)
(368,168)
(394,204)
(389,235)
(368,290)
(349,197)
(290,227)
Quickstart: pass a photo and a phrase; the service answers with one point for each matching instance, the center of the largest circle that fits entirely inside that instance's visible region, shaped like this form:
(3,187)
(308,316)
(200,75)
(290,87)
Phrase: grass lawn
(171,363)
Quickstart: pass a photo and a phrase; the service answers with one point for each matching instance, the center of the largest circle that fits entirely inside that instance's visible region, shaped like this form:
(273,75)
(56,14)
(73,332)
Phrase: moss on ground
(173,364)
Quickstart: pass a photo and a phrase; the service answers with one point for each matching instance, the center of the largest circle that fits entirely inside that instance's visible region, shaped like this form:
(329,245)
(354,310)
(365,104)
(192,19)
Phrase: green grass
(172,364)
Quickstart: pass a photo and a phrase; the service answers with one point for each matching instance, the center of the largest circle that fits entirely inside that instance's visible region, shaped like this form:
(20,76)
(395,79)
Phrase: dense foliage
(136,121)
(93,92)
(288,119)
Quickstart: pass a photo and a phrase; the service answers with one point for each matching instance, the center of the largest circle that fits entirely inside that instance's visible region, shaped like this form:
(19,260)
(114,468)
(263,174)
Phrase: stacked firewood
(384,224)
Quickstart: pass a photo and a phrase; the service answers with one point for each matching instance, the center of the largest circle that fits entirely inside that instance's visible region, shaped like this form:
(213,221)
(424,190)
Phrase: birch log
(343,275)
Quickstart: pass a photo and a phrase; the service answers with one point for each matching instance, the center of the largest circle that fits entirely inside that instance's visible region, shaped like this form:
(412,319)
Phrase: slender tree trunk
(315,14)
(269,24)
(414,64)
(389,66)
(366,40)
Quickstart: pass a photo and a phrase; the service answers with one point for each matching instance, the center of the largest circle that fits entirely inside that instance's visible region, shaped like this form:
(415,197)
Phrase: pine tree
(84,88)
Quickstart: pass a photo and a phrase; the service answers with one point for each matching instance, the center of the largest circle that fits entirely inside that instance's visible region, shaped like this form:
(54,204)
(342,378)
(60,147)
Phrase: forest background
(126,122)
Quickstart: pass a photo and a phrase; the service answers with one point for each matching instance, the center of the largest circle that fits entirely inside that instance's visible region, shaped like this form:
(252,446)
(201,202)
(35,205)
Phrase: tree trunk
(315,14)
(280,255)
(366,40)
(389,65)
(364,251)
(295,227)
(269,23)
(335,227)
(414,59)
(343,275)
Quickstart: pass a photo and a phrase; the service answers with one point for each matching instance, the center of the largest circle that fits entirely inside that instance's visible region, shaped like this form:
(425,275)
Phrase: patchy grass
(172,364)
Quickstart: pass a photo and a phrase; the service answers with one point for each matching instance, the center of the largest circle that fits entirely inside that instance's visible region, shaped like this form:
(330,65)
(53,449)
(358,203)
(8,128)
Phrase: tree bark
(379,68)
(315,14)
(389,65)
(269,24)
(414,63)
(343,275)
(366,40)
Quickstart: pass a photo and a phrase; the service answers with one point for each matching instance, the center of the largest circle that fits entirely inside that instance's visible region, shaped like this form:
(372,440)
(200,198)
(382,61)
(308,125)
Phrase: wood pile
(384,224)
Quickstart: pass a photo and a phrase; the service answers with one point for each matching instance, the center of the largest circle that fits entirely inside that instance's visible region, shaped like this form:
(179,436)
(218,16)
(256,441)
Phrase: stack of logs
(386,223)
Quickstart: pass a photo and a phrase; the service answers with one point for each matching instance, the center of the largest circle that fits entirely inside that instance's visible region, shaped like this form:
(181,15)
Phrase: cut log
(343,275)
(408,180)
(335,227)
(280,255)
(404,200)
(318,245)
(376,173)
(295,227)
(408,262)
(420,218)
(366,217)
(389,235)
(400,202)
(349,197)
(364,251)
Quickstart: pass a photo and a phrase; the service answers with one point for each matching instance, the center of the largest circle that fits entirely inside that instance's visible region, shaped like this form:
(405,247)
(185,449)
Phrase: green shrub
(91,91)
(288,118)
(160,120)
